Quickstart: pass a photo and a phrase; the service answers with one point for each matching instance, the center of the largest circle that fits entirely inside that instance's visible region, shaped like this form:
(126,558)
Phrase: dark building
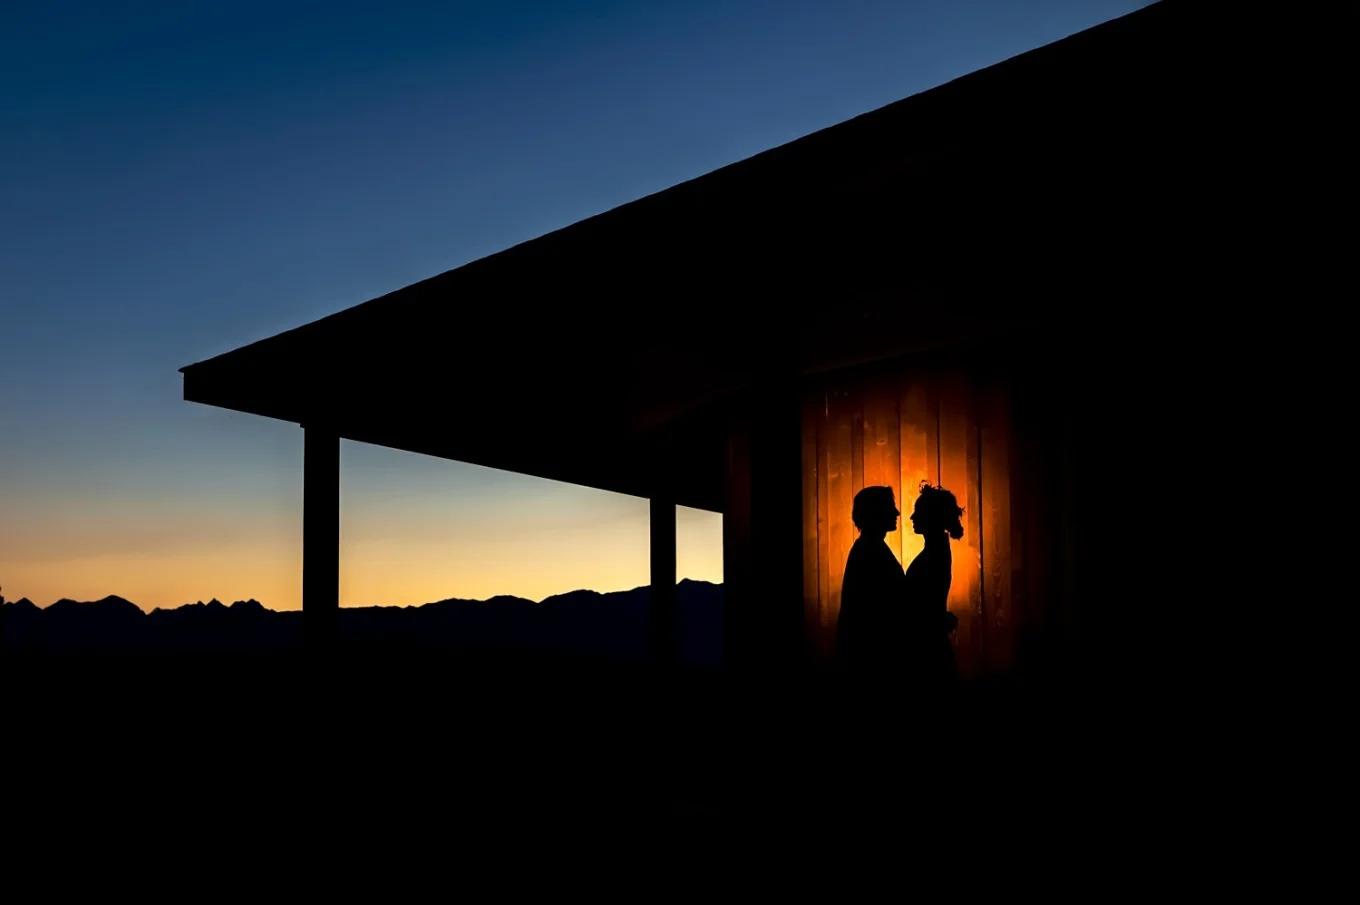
(960,287)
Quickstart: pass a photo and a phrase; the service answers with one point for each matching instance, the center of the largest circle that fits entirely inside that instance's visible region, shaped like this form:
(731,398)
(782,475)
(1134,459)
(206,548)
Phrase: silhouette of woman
(871,592)
(936,517)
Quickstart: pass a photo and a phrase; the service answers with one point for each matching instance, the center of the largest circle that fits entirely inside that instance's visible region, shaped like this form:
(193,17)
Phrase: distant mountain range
(589,623)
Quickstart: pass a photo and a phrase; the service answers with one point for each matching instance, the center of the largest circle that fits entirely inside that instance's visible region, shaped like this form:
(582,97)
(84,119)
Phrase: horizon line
(395,606)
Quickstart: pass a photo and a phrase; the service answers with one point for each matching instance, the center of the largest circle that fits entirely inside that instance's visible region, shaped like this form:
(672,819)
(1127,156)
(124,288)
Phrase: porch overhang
(974,209)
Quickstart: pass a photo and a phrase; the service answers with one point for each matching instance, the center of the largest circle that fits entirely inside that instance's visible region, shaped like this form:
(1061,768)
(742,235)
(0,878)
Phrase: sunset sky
(181,178)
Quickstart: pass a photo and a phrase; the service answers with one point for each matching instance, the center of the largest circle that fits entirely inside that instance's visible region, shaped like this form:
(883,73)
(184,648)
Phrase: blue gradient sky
(181,178)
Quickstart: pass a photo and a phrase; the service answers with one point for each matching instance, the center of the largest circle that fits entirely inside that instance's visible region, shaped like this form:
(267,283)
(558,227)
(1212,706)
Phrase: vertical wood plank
(812,416)
(1021,552)
(973,517)
(823,402)
(918,442)
(1035,484)
(997,549)
(958,473)
(882,443)
(855,398)
(840,496)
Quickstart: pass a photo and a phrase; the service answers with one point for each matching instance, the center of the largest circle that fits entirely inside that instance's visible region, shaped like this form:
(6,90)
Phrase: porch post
(762,528)
(320,534)
(664,641)
(736,541)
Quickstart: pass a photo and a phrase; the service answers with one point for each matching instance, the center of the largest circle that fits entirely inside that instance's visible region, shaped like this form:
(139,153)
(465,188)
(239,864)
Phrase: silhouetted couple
(893,629)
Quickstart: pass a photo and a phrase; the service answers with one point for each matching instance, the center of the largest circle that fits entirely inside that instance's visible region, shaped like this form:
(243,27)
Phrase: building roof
(967,210)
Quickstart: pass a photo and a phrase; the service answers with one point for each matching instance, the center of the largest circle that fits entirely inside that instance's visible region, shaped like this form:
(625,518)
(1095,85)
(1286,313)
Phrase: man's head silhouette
(875,511)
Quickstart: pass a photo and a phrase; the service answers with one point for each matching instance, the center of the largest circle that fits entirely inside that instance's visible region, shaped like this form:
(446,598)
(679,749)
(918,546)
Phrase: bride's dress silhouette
(937,518)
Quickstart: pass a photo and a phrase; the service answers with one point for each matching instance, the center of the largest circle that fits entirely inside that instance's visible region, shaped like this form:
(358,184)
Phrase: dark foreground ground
(291,754)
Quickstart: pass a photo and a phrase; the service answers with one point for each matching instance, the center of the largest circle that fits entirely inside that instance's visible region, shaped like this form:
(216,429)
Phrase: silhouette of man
(867,628)
(869,642)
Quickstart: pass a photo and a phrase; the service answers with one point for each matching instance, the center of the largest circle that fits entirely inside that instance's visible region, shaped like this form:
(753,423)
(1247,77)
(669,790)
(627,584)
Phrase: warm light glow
(897,430)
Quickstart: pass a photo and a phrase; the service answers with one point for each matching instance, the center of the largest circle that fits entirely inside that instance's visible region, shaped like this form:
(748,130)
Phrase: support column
(320,534)
(763,530)
(736,542)
(664,634)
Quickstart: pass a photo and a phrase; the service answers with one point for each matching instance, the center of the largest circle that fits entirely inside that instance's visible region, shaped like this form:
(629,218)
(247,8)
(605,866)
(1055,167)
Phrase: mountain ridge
(116,600)
(610,624)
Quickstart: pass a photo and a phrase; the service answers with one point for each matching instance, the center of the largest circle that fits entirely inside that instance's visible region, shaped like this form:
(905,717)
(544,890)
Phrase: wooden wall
(897,425)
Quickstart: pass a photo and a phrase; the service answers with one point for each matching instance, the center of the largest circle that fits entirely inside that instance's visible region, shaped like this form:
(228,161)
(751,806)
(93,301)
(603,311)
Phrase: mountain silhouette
(587,623)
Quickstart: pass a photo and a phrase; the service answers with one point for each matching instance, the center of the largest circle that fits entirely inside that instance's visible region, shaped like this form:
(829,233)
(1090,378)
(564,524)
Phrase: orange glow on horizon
(407,567)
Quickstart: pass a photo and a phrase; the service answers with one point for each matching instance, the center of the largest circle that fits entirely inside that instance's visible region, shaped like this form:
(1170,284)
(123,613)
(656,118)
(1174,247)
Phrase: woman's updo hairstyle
(939,510)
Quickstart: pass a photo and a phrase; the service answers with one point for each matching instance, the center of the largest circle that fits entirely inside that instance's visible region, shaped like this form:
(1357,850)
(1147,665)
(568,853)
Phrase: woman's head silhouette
(937,512)
(875,511)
